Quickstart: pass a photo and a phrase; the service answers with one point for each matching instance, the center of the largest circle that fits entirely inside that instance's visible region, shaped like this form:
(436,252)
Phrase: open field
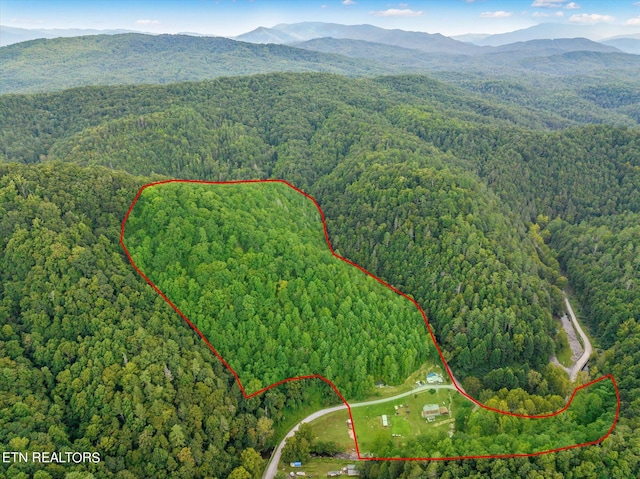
(410,382)
(333,427)
(291,418)
(406,421)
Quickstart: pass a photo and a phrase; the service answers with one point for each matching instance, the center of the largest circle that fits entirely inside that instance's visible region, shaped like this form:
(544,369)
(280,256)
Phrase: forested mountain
(557,30)
(555,46)
(10,35)
(432,188)
(627,45)
(260,282)
(54,64)
(425,42)
(552,76)
(560,65)
(376,50)
(91,358)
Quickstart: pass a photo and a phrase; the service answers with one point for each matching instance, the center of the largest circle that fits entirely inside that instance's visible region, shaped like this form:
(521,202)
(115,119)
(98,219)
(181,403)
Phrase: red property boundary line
(333,386)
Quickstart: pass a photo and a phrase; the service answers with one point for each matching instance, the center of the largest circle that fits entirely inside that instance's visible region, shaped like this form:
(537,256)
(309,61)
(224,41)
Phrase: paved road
(272,467)
(582,360)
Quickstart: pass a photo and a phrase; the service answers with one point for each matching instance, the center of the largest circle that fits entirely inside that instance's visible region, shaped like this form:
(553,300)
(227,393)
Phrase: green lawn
(407,422)
(311,404)
(410,382)
(333,427)
(338,435)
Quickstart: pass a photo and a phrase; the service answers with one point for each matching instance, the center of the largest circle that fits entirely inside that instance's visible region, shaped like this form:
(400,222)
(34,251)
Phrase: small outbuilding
(352,471)
(430,410)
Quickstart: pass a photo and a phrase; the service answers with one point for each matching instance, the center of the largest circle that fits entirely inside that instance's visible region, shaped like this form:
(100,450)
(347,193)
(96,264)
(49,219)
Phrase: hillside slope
(430,187)
(55,64)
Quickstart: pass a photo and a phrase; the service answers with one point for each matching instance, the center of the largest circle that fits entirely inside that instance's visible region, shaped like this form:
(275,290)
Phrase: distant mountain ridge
(625,38)
(552,31)
(552,47)
(133,58)
(11,35)
(54,64)
(300,32)
(566,37)
(411,58)
(627,45)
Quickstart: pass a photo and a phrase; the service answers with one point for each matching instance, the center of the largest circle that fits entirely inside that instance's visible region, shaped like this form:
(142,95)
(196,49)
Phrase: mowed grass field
(407,423)
(410,383)
(333,427)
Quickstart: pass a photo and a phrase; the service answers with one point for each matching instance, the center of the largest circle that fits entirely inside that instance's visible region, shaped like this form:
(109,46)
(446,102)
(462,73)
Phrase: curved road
(272,467)
(582,360)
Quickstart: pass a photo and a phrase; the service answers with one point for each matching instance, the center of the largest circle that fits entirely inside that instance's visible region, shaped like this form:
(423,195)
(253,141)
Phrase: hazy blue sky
(229,17)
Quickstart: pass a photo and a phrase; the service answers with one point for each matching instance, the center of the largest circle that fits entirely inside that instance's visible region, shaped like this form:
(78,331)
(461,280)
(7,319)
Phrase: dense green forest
(432,188)
(249,266)
(93,359)
(574,80)
(58,63)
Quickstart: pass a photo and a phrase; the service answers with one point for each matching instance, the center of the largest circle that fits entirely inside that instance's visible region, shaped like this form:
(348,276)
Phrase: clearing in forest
(249,266)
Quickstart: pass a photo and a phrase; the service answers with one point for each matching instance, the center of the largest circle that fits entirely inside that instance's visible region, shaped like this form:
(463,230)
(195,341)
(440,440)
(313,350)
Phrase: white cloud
(498,14)
(394,12)
(548,3)
(323,6)
(147,21)
(572,6)
(348,2)
(545,14)
(403,5)
(591,18)
(633,21)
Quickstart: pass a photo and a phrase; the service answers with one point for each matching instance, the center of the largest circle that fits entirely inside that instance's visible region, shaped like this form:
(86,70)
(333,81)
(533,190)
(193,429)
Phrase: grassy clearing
(333,427)
(292,417)
(410,382)
(311,404)
(406,421)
